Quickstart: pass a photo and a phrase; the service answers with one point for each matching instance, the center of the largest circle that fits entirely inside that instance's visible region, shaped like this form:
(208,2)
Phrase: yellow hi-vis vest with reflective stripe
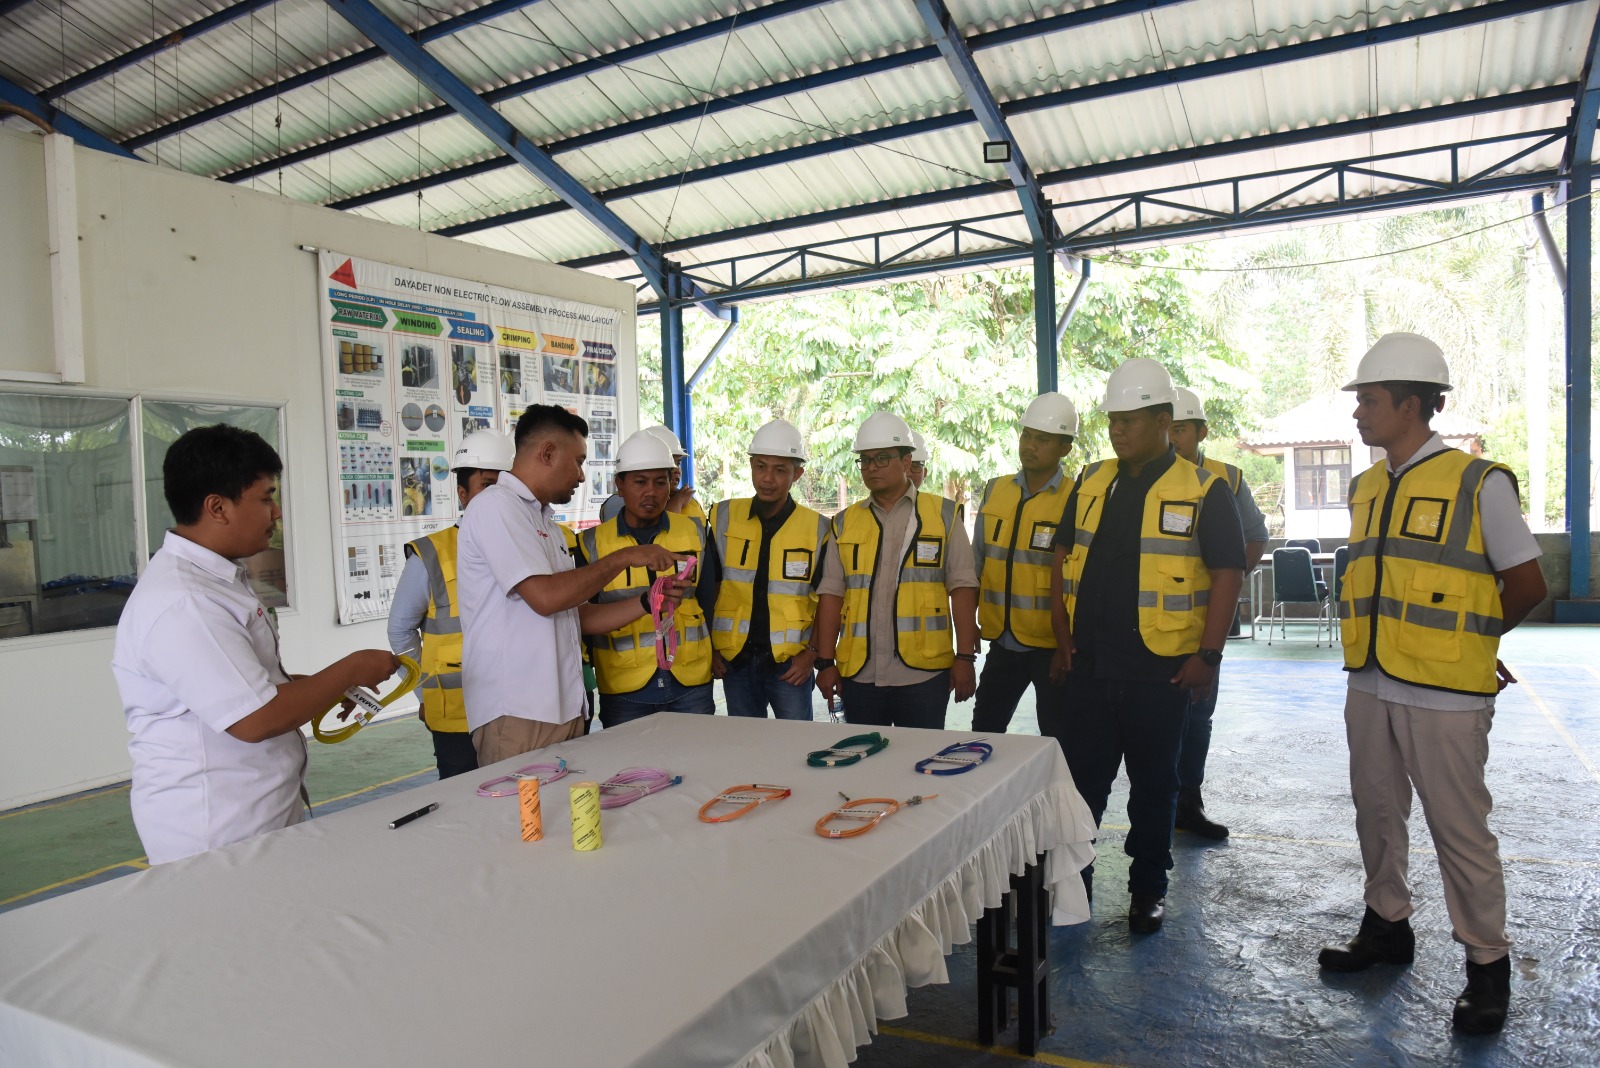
(922,603)
(793,557)
(1234,476)
(1015,553)
(443,708)
(1417,557)
(625,660)
(1174,584)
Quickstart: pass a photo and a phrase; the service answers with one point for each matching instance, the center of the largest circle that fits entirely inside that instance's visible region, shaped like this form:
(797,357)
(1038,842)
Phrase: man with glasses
(898,582)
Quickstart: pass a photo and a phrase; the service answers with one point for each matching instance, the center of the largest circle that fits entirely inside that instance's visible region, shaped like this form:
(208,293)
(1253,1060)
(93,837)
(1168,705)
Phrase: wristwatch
(823,663)
(1212,657)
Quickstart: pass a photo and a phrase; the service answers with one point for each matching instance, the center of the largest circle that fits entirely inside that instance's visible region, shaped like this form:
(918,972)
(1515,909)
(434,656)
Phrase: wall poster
(416,361)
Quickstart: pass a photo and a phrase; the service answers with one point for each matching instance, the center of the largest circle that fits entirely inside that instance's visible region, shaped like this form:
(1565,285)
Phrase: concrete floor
(1231,979)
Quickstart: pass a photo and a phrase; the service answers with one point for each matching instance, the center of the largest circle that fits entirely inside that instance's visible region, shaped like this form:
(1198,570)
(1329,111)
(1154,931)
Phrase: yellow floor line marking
(1561,729)
(28,810)
(997,1051)
(140,863)
(374,786)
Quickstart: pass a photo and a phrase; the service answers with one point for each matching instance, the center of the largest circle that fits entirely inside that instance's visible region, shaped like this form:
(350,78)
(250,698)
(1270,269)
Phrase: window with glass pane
(1321,478)
(68,551)
(167,421)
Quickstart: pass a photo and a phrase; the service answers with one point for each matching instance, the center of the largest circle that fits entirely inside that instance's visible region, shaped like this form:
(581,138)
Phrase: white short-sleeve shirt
(196,653)
(514,661)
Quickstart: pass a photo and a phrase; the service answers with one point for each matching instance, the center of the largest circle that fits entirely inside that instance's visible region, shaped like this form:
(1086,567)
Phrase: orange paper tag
(532,819)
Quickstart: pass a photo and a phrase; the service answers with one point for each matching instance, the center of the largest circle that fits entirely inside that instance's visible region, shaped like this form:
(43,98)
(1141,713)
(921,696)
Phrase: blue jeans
(922,704)
(1101,724)
(754,685)
(663,693)
(1197,739)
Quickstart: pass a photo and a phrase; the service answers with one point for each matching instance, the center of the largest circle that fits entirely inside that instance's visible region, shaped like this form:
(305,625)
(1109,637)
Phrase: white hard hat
(1188,405)
(486,450)
(1051,413)
(1138,383)
(644,451)
(882,430)
(919,448)
(778,438)
(1402,357)
(669,439)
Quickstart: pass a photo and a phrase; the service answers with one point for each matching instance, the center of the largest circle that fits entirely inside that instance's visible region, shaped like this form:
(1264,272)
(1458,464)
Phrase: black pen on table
(417,815)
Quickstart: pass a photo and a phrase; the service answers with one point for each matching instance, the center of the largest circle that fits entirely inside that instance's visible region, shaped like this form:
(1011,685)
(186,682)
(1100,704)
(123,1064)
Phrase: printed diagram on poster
(415,362)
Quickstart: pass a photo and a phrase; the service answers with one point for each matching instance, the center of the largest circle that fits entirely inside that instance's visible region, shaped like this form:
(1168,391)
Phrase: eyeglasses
(882,459)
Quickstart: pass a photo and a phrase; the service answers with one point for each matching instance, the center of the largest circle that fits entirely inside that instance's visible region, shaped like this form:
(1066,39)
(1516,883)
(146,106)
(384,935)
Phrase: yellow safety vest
(443,708)
(922,602)
(793,556)
(625,660)
(1416,547)
(1234,476)
(1174,584)
(1015,554)
(695,512)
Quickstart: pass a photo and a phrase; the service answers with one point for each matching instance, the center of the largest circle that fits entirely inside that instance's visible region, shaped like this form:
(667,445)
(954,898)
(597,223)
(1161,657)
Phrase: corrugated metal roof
(370,126)
(1325,420)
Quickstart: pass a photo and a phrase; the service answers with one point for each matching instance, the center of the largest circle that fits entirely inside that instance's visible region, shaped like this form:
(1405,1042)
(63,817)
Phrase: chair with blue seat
(1309,544)
(1294,581)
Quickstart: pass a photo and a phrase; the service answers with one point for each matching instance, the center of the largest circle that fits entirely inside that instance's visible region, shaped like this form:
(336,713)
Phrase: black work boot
(1192,817)
(1481,1008)
(1379,941)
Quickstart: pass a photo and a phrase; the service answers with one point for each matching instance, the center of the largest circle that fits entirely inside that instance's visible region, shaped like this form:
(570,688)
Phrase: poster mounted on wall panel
(414,362)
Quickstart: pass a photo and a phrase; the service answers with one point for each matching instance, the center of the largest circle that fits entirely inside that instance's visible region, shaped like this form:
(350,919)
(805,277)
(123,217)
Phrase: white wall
(193,287)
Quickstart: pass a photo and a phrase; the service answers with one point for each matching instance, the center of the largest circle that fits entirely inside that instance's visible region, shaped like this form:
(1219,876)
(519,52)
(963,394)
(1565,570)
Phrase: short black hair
(220,459)
(464,475)
(1158,409)
(1430,398)
(544,418)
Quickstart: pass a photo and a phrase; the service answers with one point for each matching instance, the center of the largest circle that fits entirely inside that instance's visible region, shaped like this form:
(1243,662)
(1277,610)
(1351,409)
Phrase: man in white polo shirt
(524,602)
(215,720)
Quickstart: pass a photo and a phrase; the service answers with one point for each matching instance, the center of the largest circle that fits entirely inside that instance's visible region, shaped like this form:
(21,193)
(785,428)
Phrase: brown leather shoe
(1146,913)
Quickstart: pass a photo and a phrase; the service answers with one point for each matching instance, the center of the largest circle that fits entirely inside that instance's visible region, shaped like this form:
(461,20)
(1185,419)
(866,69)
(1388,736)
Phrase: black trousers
(921,704)
(1007,674)
(453,752)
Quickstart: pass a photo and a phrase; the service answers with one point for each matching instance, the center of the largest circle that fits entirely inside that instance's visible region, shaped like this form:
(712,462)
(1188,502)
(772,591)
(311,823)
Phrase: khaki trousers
(1395,748)
(509,736)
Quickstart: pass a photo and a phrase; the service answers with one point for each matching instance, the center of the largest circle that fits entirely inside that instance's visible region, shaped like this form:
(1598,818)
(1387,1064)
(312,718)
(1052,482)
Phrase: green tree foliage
(953,355)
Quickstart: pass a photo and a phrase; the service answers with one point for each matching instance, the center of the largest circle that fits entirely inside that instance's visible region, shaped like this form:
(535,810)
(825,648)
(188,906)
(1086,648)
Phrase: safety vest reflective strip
(443,708)
(791,599)
(1232,474)
(624,660)
(1417,553)
(1013,567)
(1174,583)
(922,601)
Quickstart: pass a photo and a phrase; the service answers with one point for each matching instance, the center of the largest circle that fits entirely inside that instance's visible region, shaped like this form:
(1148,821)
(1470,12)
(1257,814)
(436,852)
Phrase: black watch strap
(822,663)
(1210,656)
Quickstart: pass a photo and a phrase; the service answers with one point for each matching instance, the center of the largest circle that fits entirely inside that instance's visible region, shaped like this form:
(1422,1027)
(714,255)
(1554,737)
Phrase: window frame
(1319,483)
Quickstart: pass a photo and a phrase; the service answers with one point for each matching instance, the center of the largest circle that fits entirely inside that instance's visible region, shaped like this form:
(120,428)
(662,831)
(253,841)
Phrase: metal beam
(1044,317)
(674,395)
(11,7)
(580,69)
(233,12)
(58,120)
(1216,150)
(1579,319)
(1061,23)
(958,58)
(448,87)
(1413,28)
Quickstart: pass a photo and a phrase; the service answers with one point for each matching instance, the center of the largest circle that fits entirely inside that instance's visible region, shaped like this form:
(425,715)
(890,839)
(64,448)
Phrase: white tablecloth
(451,941)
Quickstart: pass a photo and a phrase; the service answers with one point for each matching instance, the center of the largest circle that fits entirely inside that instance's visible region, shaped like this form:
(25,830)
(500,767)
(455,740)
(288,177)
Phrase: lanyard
(749,797)
(840,754)
(543,773)
(367,705)
(868,811)
(951,754)
(630,784)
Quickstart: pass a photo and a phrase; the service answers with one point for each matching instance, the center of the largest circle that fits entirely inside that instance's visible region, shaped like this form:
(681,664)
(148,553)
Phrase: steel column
(1044,316)
(674,395)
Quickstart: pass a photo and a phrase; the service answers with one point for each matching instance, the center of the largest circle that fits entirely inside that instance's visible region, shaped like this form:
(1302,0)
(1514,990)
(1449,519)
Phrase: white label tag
(795,569)
(927,552)
(1176,521)
(1043,536)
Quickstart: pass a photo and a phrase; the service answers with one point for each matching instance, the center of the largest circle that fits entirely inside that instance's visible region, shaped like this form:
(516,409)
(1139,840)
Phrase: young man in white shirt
(215,720)
(524,602)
